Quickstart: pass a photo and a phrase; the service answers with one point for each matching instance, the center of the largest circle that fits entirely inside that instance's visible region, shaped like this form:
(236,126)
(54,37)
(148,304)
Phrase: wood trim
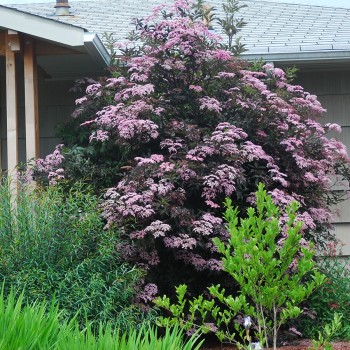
(13,40)
(42,48)
(2,44)
(11,112)
(31,100)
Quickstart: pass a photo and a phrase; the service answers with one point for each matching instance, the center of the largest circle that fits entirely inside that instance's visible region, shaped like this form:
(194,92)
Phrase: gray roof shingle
(271,27)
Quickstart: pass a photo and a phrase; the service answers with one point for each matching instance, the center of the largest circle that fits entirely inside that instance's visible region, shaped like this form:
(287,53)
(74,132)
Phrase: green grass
(28,327)
(40,326)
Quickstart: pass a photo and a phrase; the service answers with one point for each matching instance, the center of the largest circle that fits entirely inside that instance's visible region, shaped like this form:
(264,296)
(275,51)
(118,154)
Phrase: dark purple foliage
(199,125)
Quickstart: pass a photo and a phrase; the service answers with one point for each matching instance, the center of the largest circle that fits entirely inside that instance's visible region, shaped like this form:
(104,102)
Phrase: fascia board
(40,27)
(300,57)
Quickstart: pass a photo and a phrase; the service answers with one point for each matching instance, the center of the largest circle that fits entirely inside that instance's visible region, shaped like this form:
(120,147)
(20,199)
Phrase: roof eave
(62,34)
(41,27)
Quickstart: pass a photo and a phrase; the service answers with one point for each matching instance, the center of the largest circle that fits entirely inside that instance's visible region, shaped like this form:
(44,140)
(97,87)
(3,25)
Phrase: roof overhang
(41,27)
(314,59)
(311,56)
(90,55)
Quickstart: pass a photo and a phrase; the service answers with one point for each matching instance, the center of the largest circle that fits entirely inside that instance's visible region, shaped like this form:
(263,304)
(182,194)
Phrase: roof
(81,52)
(274,30)
(41,27)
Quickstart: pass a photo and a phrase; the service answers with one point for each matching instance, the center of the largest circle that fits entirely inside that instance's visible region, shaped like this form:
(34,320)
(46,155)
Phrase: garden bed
(297,345)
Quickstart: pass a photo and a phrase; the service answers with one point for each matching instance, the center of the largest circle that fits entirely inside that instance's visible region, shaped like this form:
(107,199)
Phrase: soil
(296,345)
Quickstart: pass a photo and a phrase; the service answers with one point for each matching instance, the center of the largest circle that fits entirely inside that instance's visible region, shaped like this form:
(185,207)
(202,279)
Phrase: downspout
(96,49)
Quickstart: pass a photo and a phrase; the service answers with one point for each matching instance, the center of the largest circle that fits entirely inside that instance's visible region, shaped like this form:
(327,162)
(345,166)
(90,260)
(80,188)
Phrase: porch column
(31,100)
(11,46)
(2,53)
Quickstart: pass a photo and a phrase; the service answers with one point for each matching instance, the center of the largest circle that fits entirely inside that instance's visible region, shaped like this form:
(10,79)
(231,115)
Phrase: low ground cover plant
(53,243)
(327,333)
(273,267)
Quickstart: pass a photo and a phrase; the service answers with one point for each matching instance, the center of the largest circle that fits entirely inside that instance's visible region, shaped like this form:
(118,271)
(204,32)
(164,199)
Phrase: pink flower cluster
(51,165)
(210,103)
(207,224)
(148,293)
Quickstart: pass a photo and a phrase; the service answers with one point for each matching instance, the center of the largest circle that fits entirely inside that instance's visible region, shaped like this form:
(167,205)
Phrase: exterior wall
(333,91)
(56,104)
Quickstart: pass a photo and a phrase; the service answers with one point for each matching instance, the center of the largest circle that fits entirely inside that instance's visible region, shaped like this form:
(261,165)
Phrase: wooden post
(2,53)
(12,45)
(31,100)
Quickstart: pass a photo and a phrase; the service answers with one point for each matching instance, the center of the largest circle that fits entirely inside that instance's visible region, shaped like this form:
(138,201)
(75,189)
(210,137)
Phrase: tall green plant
(276,278)
(27,327)
(266,258)
(54,243)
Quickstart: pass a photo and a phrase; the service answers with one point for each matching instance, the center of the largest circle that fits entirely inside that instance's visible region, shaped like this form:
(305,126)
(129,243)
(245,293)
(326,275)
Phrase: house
(45,46)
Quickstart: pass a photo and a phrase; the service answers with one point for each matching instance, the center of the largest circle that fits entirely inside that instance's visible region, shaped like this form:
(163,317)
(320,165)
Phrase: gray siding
(333,91)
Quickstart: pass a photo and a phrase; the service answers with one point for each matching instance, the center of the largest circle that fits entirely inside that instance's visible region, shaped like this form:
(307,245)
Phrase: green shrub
(323,340)
(274,270)
(53,243)
(40,326)
(332,297)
